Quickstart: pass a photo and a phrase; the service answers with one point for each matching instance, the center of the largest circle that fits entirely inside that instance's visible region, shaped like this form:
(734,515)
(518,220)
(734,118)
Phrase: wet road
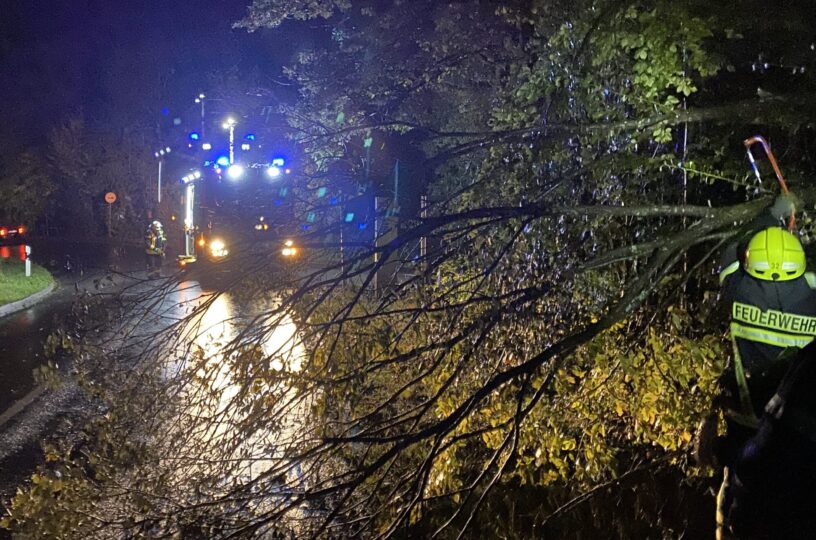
(27,415)
(21,343)
(158,306)
(76,267)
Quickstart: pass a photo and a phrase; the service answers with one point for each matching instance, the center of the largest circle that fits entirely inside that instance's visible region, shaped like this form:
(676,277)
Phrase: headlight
(235,171)
(289,249)
(218,249)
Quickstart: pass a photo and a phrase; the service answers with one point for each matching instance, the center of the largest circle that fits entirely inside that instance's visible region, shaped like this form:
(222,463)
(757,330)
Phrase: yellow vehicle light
(218,249)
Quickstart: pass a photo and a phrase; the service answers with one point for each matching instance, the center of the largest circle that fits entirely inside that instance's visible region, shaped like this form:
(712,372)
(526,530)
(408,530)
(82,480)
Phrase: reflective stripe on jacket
(767,318)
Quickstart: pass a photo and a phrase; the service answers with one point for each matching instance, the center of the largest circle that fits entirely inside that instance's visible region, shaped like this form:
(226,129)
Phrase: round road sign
(110,197)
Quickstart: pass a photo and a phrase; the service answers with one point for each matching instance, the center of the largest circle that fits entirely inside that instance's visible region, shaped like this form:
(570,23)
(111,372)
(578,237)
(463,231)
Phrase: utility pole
(200,100)
(386,227)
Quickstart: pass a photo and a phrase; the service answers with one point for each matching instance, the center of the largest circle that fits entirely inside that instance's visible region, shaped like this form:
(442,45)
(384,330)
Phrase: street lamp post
(160,156)
(200,99)
(229,124)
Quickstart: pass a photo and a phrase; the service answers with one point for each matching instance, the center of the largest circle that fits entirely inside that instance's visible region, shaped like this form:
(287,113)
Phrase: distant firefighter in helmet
(155,244)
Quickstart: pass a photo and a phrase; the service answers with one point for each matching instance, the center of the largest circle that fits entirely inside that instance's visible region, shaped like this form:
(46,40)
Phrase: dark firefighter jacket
(766,318)
(155,242)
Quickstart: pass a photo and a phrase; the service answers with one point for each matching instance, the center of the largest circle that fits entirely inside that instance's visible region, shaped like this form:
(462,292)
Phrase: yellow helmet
(774,254)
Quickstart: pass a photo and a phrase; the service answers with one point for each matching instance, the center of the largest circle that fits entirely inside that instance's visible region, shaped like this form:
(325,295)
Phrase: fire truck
(231,208)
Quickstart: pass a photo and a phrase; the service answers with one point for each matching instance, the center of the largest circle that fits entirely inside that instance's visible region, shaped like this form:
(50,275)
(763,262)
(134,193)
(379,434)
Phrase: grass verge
(14,285)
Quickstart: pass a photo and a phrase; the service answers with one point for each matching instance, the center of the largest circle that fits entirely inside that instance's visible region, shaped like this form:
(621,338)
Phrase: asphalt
(77,267)
(29,413)
(28,410)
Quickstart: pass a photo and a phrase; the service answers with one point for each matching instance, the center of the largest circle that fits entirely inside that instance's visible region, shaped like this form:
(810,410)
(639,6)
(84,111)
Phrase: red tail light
(21,230)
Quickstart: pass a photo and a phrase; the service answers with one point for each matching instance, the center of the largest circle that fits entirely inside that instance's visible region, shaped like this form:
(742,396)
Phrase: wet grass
(14,285)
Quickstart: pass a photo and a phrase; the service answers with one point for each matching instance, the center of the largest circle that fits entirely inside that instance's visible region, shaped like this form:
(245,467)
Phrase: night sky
(121,59)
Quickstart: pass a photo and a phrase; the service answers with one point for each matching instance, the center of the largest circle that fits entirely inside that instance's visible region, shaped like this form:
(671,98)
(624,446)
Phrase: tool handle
(782,184)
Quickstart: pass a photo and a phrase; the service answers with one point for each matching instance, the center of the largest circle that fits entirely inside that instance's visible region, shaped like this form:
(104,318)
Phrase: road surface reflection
(233,401)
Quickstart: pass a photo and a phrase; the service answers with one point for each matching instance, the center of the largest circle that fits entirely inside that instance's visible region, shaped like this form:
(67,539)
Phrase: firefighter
(155,243)
(772,303)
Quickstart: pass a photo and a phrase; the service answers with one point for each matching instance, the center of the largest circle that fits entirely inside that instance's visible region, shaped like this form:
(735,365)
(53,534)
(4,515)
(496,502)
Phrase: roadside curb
(18,406)
(28,301)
